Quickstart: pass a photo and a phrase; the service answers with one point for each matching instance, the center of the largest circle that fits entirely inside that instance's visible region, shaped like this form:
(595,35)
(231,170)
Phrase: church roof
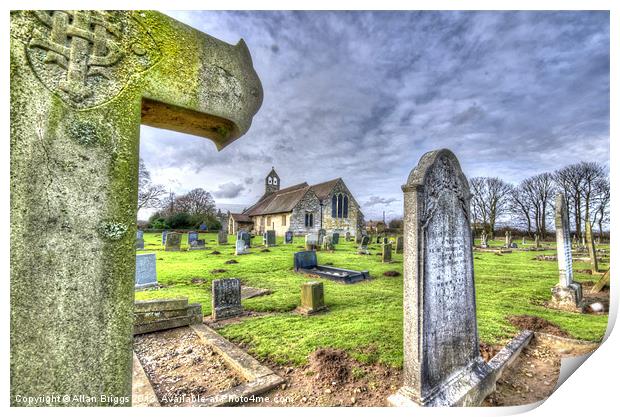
(241,218)
(284,200)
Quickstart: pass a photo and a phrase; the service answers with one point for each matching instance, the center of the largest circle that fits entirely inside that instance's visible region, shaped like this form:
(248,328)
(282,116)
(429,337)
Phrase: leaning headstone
(363,247)
(139,240)
(335,238)
(191,237)
(399,244)
(226,298)
(146,272)
(82,82)
(567,293)
(312,298)
(269,238)
(328,244)
(321,235)
(312,241)
(442,362)
(163,237)
(288,237)
(222,237)
(591,247)
(241,247)
(386,254)
(173,242)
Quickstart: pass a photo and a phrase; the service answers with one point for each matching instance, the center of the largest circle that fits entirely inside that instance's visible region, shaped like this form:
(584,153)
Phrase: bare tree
(149,194)
(569,181)
(520,207)
(601,206)
(591,173)
(489,200)
(538,192)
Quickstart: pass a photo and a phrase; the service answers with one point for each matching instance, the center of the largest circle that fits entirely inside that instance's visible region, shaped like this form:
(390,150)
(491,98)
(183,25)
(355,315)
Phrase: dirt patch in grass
(534,374)
(584,271)
(215,252)
(177,363)
(311,385)
(391,273)
(198,280)
(536,324)
(231,261)
(265,250)
(218,271)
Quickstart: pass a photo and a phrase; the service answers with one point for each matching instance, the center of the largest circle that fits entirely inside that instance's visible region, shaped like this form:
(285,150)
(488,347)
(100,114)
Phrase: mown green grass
(365,319)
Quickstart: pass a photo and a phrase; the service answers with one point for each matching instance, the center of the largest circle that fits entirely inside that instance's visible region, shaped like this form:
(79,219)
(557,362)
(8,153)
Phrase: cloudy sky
(363,95)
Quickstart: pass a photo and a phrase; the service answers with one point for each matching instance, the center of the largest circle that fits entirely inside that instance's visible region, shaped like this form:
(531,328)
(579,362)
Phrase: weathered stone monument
(173,242)
(161,314)
(536,241)
(567,293)
(288,237)
(442,362)
(591,247)
(225,298)
(523,241)
(191,237)
(335,238)
(321,235)
(241,248)
(363,247)
(139,240)
(386,253)
(483,240)
(269,238)
(163,237)
(399,244)
(245,236)
(146,271)
(328,243)
(222,237)
(82,82)
(312,241)
(312,298)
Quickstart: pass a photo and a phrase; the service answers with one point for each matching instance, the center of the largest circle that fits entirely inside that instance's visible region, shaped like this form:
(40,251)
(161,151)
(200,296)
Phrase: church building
(300,208)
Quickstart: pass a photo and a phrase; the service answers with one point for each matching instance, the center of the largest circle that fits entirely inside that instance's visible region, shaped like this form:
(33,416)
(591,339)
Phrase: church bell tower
(272,182)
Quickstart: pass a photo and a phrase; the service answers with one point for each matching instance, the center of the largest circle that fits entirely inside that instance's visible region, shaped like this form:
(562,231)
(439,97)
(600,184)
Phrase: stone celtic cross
(82,82)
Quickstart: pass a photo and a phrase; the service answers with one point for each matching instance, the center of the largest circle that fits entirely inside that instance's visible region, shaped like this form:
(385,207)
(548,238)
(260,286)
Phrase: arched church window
(334,205)
(345,206)
(339,205)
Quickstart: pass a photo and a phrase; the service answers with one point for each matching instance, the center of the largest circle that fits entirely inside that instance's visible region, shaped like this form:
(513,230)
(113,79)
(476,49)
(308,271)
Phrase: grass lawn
(365,319)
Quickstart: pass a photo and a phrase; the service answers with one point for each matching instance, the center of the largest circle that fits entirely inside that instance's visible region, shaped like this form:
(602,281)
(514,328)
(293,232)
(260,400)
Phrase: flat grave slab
(306,263)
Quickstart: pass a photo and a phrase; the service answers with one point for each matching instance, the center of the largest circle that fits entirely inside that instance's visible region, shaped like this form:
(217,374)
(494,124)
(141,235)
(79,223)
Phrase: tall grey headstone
(386,253)
(146,272)
(442,362)
(322,233)
(225,298)
(222,237)
(567,293)
(139,240)
(173,242)
(335,238)
(163,237)
(399,244)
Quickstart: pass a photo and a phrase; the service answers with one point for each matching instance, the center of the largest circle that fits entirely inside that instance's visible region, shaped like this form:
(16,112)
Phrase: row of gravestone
(172,240)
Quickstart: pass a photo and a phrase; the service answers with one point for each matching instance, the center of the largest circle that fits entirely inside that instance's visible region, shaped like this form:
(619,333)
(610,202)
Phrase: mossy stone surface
(81,85)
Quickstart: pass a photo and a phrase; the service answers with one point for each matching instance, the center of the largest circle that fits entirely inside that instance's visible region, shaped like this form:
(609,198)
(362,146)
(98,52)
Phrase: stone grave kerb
(82,83)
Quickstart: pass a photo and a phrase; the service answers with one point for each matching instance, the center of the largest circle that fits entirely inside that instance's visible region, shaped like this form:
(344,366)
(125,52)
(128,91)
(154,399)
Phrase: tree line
(189,210)
(530,204)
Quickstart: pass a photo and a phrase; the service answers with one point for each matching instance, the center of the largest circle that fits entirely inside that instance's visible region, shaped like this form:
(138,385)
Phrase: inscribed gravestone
(269,238)
(363,248)
(225,298)
(81,84)
(222,237)
(321,235)
(335,238)
(288,237)
(245,236)
(191,237)
(139,240)
(442,363)
(146,272)
(399,244)
(386,254)
(328,243)
(567,293)
(173,242)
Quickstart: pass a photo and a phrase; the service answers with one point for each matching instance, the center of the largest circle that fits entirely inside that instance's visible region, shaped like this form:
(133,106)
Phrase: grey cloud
(376,200)
(362,95)
(229,190)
